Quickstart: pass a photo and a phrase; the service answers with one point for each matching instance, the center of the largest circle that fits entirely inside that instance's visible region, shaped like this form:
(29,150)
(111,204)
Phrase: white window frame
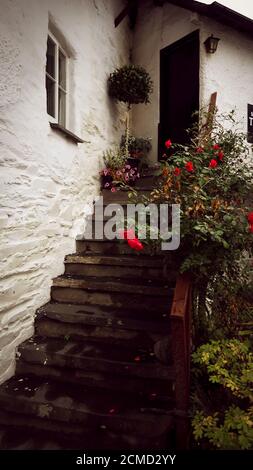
(58,48)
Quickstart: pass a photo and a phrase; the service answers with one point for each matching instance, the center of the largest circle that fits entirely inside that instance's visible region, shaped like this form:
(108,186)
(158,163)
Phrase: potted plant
(130,84)
(117,170)
(138,148)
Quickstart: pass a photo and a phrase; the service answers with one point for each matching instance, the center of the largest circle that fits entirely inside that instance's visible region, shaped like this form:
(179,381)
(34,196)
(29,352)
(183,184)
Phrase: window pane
(50,86)
(51,51)
(62,70)
(62,108)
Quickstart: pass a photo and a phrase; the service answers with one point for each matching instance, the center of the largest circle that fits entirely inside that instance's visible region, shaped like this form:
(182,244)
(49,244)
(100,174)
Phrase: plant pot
(106,181)
(133,162)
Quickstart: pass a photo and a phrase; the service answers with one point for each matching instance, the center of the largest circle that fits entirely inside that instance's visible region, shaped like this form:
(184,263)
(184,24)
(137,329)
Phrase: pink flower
(199,150)
(106,185)
(128,167)
(189,167)
(213,163)
(168,144)
(113,190)
(106,172)
(118,173)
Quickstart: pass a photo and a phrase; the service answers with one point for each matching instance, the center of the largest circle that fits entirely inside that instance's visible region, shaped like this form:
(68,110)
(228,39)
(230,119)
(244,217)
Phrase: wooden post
(181,339)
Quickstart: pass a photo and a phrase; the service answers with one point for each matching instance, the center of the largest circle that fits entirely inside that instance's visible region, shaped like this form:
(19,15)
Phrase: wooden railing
(181,345)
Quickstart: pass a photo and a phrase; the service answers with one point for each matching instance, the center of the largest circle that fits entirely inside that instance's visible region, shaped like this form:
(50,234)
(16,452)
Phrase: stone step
(97,365)
(19,432)
(125,267)
(75,405)
(107,247)
(111,292)
(110,317)
(122,196)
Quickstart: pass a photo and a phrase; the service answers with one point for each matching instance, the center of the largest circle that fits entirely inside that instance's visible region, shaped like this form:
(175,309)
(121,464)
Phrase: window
(56,81)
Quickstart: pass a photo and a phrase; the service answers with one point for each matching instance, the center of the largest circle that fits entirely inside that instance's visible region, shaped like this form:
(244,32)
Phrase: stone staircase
(99,372)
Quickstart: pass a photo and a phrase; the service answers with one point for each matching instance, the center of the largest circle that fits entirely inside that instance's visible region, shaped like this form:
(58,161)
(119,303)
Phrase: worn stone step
(109,266)
(94,365)
(94,355)
(108,247)
(134,302)
(21,432)
(135,286)
(69,404)
(122,196)
(110,317)
(108,292)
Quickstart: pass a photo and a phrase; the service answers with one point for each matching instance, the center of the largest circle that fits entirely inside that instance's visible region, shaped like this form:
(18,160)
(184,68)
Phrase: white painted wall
(45,179)
(229,71)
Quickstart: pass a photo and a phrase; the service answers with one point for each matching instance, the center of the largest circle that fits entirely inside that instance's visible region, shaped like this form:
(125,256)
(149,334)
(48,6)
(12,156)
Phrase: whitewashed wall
(229,71)
(45,179)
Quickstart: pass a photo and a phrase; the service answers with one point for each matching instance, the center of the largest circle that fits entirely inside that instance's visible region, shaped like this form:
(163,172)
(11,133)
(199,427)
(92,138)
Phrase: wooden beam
(121,16)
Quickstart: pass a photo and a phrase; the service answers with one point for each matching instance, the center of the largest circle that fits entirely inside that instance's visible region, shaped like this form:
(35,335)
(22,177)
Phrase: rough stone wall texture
(229,71)
(46,180)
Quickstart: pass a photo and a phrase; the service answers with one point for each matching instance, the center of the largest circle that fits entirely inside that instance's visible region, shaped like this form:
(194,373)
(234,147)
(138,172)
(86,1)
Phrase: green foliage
(114,158)
(228,364)
(130,84)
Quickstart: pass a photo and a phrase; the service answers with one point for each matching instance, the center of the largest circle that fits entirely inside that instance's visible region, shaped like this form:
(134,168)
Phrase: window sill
(68,134)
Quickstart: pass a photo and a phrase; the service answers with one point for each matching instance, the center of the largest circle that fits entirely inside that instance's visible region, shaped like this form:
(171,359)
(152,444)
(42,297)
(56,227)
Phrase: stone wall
(45,179)
(229,71)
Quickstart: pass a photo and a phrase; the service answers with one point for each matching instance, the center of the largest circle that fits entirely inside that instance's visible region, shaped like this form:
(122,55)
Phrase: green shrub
(223,397)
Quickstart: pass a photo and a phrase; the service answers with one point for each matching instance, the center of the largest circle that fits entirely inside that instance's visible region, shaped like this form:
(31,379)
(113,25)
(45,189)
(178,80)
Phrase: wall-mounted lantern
(211,44)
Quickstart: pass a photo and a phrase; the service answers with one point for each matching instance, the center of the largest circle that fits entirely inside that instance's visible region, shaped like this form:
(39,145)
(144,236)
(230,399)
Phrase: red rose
(177,171)
(189,166)
(168,144)
(213,163)
(135,244)
(216,147)
(250,218)
(220,155)
(199,149)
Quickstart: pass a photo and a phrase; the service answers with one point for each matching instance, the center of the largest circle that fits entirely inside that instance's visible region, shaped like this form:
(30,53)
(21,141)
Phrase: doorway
(179,90)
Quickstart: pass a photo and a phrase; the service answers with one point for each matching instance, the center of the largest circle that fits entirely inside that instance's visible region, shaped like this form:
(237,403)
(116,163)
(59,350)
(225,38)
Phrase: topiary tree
(130,84)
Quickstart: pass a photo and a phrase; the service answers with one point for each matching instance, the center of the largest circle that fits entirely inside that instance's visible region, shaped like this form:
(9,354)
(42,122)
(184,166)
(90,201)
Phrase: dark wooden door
(179,89)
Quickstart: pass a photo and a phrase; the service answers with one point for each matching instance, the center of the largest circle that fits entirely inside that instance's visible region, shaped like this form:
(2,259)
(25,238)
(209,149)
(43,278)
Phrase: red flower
(177,171)
(220,155)
(189,166)
(213,163)
(127,234)
(216,147)
(135,244)
(250,218)
(113,190)
(137,359)
(168,144)
(199,149)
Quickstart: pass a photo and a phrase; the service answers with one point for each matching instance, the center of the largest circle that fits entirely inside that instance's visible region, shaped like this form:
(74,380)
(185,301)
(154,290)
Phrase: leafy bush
(224,405)
(114,158)
(130,84)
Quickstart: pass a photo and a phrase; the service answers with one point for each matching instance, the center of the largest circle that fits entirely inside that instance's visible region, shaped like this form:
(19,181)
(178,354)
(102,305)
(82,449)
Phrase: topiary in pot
(130,84)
